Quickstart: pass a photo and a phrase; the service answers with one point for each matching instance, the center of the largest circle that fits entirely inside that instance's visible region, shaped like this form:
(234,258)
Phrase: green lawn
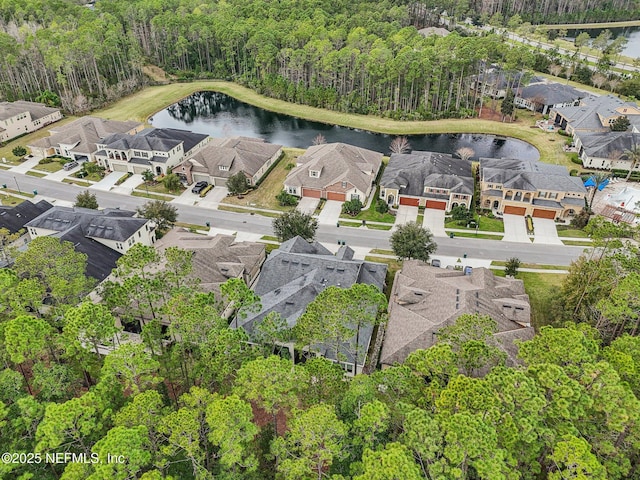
(158,188)
(269,238)
(564,231)
(532,265)
(381,251)
(35,173)
(486,224)
(265,195)
(48,167)
(577,243)
(73,181)
(228,208)
(10,200)
(153,196)
(371,214)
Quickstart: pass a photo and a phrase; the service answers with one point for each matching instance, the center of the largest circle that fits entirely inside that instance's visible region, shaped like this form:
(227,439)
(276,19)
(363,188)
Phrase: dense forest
(197,400)
(361,56)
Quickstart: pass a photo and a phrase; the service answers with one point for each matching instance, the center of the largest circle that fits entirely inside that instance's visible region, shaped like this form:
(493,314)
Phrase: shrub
(290,166)
(575,159)
(381,206)
(511,268)
(286,199)
(573,173)
(581,220)
(19,151)
(352,207)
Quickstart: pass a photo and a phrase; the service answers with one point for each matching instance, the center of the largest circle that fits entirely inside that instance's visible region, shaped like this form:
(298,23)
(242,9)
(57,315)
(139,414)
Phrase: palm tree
(599,178)
(633,155)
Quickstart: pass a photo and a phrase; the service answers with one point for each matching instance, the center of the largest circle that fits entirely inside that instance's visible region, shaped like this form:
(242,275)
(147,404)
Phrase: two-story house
(607,150)
(543,96)
(334,171)
(20,117)
(155,149)
(530,187)
(594,114)
(427,179)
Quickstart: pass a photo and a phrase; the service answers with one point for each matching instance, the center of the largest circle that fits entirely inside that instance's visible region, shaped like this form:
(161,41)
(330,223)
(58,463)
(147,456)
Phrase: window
(344,184)
(314,173)
(292,190)
(223,167)
(553,195)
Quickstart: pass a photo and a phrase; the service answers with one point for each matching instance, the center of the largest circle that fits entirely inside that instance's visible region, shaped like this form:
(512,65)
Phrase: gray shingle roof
(337,162)
(411,173)
(14,218)
(608,144)
(36,110)
(425,299)
(108,224)
(298,271)
(239,154)
(529,175)
(551,93)
(585,116)
(155,139)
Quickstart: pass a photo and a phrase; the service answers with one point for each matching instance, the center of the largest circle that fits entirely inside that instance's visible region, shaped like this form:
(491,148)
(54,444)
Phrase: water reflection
(220,115)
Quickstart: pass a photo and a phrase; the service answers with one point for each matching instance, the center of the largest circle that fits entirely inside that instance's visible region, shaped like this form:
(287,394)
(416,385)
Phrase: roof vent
(289,302)
(340,269)
(277,291)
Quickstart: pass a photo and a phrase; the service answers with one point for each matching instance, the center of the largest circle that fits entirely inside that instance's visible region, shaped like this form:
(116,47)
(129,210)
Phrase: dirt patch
(157,74)
(489,114)
(262,418)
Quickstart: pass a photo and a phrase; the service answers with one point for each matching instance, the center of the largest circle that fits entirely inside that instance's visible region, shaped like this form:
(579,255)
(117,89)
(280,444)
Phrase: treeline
(197,401)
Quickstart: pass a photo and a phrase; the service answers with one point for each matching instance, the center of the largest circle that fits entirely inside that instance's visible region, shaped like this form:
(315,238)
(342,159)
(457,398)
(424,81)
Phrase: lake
(220,115)
(631,49)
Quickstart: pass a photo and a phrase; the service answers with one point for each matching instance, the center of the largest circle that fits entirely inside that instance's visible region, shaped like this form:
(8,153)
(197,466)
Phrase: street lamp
(19,191)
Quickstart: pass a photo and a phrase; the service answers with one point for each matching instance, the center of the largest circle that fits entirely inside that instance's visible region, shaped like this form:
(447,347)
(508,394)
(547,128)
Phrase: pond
(632,34)
(220,115)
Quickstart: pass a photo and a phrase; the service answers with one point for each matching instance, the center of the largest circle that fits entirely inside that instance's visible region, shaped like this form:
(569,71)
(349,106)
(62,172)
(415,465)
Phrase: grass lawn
(374,226)
(486,224)
(540,287)
(269,238)
(80,183)
(192,226)
(265,195)
(381,251)
(531,265)
(143,104)
(153,196)
(578,243)
(472,234)
(16,192)
(228,208)
(564,231)
(10,200)
(48,167)
(371,215)
(34,173)
(159,188)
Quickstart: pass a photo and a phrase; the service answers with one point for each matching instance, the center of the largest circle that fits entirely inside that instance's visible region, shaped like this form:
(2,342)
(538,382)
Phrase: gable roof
(154,139)
(84,133)
(529,175)
(550,93)
(411,173)
(215,259)
(426,299)
(336,162)
(297,272)
(107,224)
(15,218)
(36,110)
(608,144)
(238,154)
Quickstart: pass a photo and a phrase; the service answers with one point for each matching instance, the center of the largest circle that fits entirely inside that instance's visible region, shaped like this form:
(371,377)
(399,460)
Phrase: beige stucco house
(20,117)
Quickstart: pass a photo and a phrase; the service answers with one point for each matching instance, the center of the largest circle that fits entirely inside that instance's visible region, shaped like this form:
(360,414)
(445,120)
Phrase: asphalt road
(245,222)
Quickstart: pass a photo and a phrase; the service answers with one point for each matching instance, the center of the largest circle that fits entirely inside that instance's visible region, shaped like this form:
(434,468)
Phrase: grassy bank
(584,26)
(143,104)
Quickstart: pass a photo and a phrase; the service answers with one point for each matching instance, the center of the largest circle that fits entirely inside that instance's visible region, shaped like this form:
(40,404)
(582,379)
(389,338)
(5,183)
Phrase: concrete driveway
(108,182)
(308,205)
(330,213)
(434,221)
(27,165)
(405,214)
(187,197)
(128,185)
(62,173)
(213,198)
(515,229)
(545,232)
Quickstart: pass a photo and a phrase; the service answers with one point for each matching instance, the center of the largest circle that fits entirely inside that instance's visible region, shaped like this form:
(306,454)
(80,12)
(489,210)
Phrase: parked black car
(198,187)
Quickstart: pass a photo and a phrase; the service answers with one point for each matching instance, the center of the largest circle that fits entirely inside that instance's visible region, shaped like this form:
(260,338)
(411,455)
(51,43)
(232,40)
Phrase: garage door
(200,177)
(412,202)
(436,205)
(119,167)
(515,210)
(309,192)
(340,197)
(539,213)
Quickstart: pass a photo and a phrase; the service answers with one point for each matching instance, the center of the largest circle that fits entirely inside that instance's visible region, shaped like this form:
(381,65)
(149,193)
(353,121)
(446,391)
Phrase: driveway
(434,221)
(330,213)
(515,229)
(308,205)
(545,232)
(405,214)
(62,173)
(187,197)
(108,182)
(213,198)
(27,165)
(129,184)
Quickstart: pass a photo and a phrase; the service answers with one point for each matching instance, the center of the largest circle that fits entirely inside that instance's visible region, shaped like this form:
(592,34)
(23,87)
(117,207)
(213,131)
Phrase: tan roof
(425,299)
(36,110)
(238,154)
(337,162)
(84,133)
(215,258)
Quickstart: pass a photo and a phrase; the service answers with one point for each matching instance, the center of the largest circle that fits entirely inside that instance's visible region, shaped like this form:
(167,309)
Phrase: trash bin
(464,255)
(338,225)
(35,192)
(208,224)
(451,235)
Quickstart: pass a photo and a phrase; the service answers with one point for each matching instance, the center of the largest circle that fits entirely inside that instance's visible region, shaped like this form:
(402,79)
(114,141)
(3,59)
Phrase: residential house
(607,150)
(542,97)
(222,158)
(530,187)
(217,258)
(425,299)
(104,235)
(78,140)
(335,171)
(14,218)
(155,149)
(295,274)
(494,82)
(623,206)
(20,117)
(594,114)
(427,179)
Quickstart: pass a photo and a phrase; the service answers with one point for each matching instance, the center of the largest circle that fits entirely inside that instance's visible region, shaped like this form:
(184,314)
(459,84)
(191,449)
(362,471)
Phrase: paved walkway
(515,229)
(330,213)
(129,184)
(434,221)
(108,182)
(308,205)
(545,232)
(27,165)
(405,214)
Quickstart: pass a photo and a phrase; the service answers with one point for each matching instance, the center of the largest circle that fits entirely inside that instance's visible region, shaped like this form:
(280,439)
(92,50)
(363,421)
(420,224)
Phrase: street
(360,237)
